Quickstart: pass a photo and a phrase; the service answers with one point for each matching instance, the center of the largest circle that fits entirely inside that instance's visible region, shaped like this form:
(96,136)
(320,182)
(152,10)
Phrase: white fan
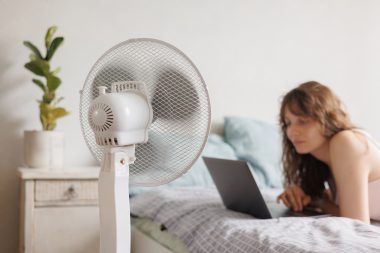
(145,114)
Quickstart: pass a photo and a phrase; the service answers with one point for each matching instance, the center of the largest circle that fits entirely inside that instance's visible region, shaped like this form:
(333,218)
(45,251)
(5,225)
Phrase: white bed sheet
(198,218)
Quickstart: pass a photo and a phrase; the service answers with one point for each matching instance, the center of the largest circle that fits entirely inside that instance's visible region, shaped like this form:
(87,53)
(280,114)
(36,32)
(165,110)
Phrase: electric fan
(145,114)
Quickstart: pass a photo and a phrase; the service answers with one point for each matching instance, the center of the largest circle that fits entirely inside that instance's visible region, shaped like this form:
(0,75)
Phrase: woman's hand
(326,203)
(294,197)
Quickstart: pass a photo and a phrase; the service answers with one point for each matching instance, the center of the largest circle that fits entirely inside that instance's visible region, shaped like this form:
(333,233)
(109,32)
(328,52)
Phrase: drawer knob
(71,193)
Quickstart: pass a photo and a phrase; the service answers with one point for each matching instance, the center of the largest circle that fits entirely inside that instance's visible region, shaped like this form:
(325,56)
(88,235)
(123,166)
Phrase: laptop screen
(237,186)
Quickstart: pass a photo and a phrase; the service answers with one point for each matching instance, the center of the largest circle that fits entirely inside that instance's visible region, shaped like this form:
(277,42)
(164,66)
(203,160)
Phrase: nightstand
(59,210)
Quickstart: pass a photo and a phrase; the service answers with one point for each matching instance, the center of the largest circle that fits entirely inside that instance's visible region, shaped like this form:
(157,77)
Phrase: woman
(322,148)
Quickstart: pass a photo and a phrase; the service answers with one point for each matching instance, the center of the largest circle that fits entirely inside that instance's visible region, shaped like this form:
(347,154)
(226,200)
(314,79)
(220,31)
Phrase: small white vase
(44,149)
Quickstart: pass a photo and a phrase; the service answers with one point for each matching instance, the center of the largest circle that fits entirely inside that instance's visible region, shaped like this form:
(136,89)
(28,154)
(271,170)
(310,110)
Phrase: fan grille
(180,102)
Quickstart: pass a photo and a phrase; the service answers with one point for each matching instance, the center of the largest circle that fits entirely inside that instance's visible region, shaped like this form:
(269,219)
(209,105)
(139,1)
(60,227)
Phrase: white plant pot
(44,149)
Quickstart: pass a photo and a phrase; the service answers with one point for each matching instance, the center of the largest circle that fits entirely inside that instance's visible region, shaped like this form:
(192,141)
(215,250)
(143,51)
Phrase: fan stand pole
(115,226)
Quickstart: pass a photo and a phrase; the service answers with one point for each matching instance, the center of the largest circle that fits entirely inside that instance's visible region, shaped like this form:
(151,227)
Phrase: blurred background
(249,52)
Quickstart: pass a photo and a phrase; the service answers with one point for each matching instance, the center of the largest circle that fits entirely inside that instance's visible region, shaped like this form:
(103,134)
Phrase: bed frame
(141,243)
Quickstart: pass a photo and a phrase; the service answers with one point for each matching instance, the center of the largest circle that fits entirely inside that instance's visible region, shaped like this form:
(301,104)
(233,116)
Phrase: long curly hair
(317,101)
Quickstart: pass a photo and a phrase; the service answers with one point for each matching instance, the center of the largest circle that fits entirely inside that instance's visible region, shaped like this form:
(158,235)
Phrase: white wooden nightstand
(59,211)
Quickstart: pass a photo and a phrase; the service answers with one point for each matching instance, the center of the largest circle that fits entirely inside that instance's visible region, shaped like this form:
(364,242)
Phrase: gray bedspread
(198,218)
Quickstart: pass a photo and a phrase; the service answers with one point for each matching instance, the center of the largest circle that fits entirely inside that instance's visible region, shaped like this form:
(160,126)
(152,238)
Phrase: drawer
(66,191)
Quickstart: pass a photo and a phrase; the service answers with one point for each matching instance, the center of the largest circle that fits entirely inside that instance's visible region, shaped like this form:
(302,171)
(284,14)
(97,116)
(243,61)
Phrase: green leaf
(59,112)
(40,84)
(44,108)
(38,67)
(33,57)
(33,67)
(53,47)
(58,100)
(53,82)
(43,122)
(56,71)
(44,114)
(49,115)
(33,48)
(51,126)
(49,36)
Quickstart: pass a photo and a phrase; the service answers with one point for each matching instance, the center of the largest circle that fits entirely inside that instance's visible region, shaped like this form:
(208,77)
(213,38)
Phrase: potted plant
(44,149)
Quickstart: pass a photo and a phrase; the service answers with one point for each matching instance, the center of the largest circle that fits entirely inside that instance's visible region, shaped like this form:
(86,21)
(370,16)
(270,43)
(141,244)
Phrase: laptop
(239,191)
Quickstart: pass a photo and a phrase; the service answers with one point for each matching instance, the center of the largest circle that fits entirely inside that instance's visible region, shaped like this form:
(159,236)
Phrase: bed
(194,220)
(187,215)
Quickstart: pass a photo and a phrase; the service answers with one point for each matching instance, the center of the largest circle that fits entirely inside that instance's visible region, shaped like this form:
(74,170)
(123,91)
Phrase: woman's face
(304,132)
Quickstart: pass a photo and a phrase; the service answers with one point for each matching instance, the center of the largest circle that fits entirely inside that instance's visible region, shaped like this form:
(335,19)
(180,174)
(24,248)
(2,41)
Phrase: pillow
(259,143)
(198,175)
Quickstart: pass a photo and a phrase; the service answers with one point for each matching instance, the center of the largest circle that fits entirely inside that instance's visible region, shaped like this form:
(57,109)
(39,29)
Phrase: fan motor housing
(120,118)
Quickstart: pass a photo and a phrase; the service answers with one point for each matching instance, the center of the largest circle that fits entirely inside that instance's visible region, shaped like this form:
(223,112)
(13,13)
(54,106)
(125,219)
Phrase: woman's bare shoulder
(348,144)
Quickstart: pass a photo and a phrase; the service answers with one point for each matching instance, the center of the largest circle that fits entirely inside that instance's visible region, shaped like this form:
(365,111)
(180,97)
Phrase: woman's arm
(350,167)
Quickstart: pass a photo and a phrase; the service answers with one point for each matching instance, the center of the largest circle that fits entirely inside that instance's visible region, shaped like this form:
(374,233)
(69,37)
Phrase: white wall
(249,52)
